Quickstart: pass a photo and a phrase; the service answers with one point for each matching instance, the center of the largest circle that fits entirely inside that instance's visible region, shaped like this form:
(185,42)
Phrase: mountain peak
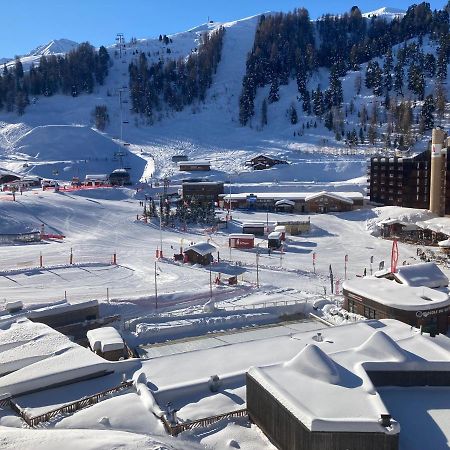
(386,12)
(53,47)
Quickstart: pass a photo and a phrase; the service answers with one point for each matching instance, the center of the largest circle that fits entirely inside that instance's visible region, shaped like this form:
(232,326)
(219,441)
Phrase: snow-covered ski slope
(205,130)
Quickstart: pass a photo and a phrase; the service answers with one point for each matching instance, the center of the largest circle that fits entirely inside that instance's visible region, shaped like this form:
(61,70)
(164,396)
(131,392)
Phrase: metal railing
(67,408)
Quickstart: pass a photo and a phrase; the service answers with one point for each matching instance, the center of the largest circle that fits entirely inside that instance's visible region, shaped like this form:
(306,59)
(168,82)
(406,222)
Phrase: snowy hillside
(206,130)
(386,13)
(54,47)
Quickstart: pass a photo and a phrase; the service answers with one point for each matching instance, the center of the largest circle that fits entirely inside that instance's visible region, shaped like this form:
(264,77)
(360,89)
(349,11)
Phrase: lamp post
(156,288)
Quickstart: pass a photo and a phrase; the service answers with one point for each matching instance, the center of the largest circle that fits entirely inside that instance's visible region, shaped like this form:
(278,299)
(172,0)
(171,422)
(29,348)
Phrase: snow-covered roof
(253,224)
(329,390)
(445,243)
(241,236)
(333,195)
(101,177)
(284,201)
(35,356)
(106,339)
(202,248)
(395,295)
(437,224)
(274,235)
(423,274)
(289,195)
(195,163)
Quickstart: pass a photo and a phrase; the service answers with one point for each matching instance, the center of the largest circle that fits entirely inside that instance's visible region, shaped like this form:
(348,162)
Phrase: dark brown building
(202,190)
(194,166)
(262,162)
(400,181)
(200,253)
(380,298)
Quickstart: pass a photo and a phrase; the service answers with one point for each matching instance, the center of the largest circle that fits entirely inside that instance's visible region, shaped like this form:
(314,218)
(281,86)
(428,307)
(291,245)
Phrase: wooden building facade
(287,432)
(194,166)
(202,190)
(433,321)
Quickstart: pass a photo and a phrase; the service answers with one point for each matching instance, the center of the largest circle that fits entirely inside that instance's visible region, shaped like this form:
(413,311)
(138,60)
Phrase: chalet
(202,190)
(323,202)
(295,202)
(194,166)
(200,253)
(236,240)
(262,162)
(7,177)
(416,305)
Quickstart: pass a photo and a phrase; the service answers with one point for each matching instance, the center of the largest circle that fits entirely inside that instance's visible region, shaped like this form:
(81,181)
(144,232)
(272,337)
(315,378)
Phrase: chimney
(385,420)
(438,167)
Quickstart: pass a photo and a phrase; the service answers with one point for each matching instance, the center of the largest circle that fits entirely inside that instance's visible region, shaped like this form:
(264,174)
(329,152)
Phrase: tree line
(177,83)
(74,73)
(289,46)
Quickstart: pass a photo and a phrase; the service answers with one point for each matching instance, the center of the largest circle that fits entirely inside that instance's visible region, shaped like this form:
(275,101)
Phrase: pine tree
(274,95)
(328,122)
(427,111)
(317,99)
(264,113)
(441,101)
(337,96)
(398,79)
(387,70)
(293,115)
(306,105)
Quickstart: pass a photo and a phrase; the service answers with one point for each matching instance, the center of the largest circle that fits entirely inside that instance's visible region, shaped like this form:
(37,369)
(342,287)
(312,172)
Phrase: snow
(394,295)
(202,248)
(334,195)
(34,356)
(290,196)
(424,274)
(105,339)
(42,439)
(424,415)
(325,370)
(385,12)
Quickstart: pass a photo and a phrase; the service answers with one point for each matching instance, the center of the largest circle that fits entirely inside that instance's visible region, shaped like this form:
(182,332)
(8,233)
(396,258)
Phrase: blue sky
(29,23)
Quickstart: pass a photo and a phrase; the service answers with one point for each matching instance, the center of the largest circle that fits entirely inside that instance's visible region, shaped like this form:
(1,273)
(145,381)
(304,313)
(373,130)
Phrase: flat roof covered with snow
(395,295)
(331,390)
(34,356)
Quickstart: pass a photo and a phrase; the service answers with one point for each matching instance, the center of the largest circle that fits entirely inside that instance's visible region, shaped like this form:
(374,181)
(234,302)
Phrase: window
(351,306)
(369,313)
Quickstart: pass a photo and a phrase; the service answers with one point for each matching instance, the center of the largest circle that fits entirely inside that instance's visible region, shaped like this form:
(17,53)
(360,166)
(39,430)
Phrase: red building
(241,240)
